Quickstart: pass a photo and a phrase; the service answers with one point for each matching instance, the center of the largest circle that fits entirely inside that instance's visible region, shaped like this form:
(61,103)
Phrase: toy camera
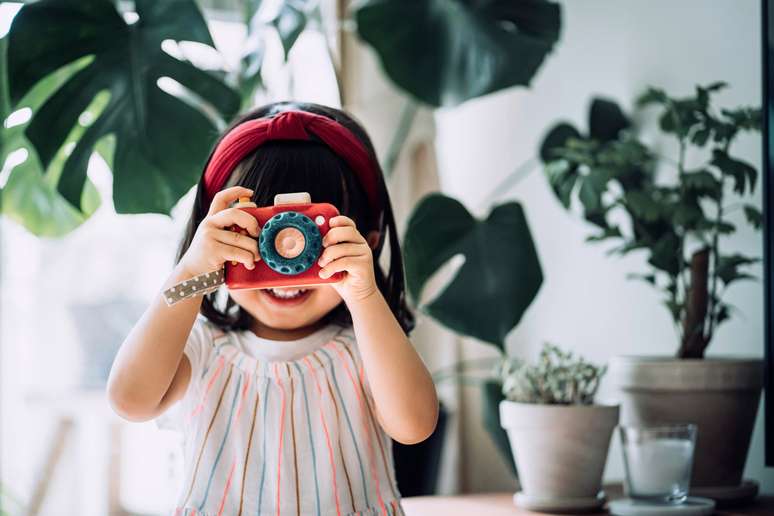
(289,244)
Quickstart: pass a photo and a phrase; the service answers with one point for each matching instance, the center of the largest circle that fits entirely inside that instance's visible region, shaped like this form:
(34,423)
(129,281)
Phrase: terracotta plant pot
(719,395)
(560,450)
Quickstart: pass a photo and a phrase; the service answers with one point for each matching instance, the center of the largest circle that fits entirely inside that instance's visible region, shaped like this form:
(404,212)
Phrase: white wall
(614,48)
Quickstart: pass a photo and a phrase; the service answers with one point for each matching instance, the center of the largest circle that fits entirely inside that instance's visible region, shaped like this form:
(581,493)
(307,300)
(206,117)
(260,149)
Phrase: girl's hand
(213,243)
(345,249)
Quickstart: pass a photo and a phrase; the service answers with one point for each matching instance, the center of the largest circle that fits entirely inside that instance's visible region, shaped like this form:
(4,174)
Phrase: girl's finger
(233,238)
(235,254)
(230,216)
(341,220)
(336,252)
(342,264)
(224,198)
(342,234)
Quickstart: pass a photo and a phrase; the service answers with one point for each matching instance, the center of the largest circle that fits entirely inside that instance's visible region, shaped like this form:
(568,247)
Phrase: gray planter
(719,395)
(560,450)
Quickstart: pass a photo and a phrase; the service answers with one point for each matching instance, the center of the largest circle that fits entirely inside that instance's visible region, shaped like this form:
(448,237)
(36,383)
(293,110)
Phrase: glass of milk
(658,461)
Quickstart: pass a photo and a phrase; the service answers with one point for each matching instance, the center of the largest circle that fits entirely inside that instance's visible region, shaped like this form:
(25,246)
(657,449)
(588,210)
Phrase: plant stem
(466,379)
(405,122)
(460,367)
(682,234)
(337,62)
(509,181)
(713,301)
(693,341)
(680,275)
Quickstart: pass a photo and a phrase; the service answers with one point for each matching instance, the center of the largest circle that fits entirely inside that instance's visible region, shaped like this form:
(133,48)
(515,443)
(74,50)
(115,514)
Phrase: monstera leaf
(29,195)
(501,274)
(444,52)
(289,22)
(161,141)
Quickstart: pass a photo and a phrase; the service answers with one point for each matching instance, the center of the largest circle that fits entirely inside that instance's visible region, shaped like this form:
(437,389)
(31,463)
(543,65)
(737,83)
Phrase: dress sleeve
(198,349)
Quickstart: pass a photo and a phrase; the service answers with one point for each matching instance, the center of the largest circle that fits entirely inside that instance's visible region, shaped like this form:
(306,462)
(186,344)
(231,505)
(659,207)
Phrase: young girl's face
(287,308)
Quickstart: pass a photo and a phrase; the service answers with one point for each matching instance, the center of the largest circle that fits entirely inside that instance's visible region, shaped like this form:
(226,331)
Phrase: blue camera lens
(290,243)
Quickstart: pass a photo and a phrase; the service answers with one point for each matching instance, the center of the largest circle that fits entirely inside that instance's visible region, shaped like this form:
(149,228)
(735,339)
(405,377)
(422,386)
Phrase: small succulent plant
(558,378)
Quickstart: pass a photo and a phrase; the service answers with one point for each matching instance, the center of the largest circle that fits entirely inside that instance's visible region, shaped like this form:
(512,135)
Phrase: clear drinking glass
(658,461)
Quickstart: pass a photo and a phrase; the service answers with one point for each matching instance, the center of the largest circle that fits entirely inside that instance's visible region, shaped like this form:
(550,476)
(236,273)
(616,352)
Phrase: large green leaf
(501,274)
(5,101)
(29,195)
(30,199)
(161,141)
(491,396)
(606,120)
(289,22)
(743,174)
(444,52)
(557,138)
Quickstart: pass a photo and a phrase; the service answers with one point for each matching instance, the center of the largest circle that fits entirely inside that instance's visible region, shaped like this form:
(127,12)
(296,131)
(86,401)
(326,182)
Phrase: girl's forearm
(402,388)
(150,356)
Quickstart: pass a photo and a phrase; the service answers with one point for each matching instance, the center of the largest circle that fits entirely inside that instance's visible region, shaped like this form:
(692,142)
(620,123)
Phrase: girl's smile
(287,308)
(287,296)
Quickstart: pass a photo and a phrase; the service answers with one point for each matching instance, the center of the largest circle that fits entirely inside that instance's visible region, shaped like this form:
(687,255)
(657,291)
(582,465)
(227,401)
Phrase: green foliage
(30,196)
(501,274)
(289,23)
(154,161)
(444,53)
(671,217)
(558,378)
(10,504)
(491,396)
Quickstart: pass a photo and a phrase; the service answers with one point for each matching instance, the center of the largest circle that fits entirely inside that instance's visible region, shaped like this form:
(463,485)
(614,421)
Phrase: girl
(286,398)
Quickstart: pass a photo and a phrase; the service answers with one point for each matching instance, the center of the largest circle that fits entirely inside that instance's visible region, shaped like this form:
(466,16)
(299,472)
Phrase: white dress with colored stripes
(280,428)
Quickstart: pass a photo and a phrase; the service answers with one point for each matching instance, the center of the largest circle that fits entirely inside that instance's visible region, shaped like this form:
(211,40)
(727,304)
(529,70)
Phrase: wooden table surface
(501,504)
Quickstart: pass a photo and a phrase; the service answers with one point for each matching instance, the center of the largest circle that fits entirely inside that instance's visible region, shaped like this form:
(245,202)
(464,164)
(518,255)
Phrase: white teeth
(287,293)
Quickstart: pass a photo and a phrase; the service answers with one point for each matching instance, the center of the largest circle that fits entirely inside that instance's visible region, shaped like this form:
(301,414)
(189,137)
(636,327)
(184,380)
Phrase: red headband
(291,125)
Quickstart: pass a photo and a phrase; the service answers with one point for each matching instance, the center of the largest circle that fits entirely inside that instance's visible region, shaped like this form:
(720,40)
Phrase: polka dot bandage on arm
(196,286)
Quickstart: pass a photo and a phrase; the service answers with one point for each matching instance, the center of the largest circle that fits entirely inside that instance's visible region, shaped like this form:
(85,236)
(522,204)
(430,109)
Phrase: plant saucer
(560,504)
(745,491)
(692,506)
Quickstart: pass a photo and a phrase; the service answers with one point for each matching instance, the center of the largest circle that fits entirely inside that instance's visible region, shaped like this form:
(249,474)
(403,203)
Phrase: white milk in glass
(658,468)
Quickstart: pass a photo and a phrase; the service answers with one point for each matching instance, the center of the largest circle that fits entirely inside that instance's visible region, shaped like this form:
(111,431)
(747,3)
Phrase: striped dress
(280,428)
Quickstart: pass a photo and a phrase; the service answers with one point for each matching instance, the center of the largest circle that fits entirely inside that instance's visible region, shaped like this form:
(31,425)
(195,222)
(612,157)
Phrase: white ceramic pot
(719,395)
(560,450)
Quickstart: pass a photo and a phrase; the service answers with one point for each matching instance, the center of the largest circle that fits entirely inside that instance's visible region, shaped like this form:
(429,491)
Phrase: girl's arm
(150,371)
(402,388)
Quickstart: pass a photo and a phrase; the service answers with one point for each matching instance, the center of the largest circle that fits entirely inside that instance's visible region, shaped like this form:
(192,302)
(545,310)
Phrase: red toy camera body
(290,243)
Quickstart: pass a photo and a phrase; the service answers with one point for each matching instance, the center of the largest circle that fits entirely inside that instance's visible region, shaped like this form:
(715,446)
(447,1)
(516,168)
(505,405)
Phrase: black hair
(282,166)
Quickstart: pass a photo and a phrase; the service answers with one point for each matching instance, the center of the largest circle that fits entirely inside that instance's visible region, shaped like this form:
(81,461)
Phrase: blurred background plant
(677,218)
(10,505)
(126,88)
(557,378)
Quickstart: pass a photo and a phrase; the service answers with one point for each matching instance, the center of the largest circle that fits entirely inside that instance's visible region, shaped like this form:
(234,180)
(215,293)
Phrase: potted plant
(559,437)
(678,218)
